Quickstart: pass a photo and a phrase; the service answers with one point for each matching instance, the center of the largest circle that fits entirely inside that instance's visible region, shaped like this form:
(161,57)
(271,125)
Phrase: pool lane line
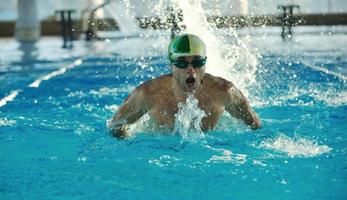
(9,97)
(324,70)
(60,71)
(37,82)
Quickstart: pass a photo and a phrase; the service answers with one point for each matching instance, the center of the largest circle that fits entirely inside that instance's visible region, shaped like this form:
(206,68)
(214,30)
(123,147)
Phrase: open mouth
(190,81)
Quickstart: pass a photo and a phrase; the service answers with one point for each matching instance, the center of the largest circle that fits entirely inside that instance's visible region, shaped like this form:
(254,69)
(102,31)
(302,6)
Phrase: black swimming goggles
(183,64)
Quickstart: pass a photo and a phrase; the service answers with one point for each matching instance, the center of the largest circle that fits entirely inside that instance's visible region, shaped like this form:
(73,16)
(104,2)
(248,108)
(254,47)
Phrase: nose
(191,69)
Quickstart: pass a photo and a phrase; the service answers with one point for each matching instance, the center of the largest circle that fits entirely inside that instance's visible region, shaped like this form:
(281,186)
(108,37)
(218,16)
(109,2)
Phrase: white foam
(112,108)
(82,159)
(105,91)
(330,96)
(81,129)
(327,94)
(226,156)
(259,163)
(163,161)
(188,119)
(7,122)
(142,125)
(79,94)
(297,147)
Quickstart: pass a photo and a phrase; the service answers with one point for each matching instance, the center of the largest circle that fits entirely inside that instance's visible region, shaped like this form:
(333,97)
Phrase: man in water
(160,97)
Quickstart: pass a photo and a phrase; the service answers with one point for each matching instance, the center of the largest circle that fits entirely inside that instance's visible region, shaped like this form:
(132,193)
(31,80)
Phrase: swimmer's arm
(128,113)
(238,106)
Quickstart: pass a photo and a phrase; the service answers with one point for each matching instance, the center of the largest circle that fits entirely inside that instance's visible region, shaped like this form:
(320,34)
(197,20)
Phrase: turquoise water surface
(55,103)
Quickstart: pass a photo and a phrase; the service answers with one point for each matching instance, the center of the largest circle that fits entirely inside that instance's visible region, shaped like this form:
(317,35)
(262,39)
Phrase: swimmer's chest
(163,111)
(213,111)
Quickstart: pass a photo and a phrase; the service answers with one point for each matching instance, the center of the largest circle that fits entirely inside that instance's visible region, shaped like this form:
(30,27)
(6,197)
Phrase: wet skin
(159,98)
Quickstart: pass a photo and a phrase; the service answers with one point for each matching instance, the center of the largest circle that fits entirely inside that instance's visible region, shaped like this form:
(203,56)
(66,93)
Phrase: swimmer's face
(189,71)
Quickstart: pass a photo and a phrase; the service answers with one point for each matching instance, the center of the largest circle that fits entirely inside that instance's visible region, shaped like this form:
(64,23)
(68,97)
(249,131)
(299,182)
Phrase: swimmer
(159,97)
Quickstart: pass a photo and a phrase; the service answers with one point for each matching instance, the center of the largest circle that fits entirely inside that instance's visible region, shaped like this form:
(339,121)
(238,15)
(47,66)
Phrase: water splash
(298,147)
(226,156)
(125,20)
(308,95)
(105,91)
(188,119)
(112,108)
(144,124)
(7,122)
(164,161)
(83,129)
(228,55)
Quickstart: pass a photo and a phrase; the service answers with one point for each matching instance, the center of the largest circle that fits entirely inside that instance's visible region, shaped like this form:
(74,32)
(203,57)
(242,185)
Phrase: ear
(203,69)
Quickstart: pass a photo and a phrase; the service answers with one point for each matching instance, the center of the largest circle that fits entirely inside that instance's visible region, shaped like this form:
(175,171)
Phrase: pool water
(55,104)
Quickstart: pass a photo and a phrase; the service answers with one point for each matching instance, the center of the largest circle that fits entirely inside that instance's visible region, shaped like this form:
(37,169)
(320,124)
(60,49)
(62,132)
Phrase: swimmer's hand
(237,105)
(120,132)
(256,124)
(128,113)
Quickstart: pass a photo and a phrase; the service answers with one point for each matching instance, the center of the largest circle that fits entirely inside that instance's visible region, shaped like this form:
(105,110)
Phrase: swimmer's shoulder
(218,83)
(223,89)
(151,87)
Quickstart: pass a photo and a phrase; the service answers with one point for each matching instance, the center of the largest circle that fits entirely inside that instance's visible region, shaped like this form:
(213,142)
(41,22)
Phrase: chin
(190,88)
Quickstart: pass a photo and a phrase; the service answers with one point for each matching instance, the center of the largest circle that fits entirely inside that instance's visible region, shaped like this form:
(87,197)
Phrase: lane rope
(38,81)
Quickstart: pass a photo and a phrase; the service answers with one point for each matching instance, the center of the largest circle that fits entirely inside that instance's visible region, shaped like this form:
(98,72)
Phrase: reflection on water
(29,51)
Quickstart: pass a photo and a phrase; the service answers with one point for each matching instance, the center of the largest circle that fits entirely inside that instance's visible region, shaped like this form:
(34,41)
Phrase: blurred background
(93,14)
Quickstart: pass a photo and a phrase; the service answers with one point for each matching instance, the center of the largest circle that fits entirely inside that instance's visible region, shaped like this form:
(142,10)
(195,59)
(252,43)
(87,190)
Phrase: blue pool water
(55,103)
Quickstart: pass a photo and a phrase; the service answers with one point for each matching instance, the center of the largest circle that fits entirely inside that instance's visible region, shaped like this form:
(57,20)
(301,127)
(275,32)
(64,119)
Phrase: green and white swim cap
(186,45)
